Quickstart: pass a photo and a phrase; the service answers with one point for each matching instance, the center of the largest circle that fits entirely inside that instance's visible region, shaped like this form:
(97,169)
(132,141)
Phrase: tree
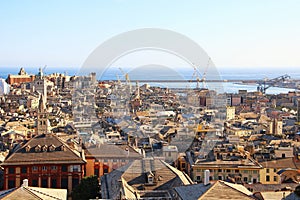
(87,189)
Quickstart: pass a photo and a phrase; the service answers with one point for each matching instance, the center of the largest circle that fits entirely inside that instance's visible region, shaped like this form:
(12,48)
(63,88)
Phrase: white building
(4,87)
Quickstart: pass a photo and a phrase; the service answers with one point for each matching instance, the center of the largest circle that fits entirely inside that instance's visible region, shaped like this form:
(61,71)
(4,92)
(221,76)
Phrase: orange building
(106,158)
(22,77)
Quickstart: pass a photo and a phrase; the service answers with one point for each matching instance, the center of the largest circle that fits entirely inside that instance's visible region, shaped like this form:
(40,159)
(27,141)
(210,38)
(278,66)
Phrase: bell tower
(42,117)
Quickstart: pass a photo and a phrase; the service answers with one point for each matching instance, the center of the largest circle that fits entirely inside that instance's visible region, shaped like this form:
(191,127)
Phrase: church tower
(40,84)
(42,117)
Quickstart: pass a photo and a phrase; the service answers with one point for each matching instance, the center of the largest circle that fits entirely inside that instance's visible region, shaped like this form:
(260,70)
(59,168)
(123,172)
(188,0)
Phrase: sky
(235,34)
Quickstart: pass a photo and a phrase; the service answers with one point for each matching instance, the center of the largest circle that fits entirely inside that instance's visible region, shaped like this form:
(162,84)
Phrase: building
(213,191)
(42,117)
(46,162)
(147,178)
(31,193)
(269,172)
(22,77)
(40,84)
(4,87)
(234,170)
(230,112)
(105,158)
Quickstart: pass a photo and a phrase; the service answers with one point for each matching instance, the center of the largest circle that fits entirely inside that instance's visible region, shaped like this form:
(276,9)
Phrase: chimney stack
(25,183)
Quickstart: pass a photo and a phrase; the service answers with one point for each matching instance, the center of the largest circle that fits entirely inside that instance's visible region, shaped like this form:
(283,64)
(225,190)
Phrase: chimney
(25,183)
(206,177)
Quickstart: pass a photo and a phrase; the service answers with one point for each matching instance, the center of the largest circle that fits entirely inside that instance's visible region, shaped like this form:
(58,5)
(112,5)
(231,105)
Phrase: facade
(245,170)
(42,117)
(40,85)
(106,158)
(230,112)
(46,162)
(4,87)
(22,77)
(269,172)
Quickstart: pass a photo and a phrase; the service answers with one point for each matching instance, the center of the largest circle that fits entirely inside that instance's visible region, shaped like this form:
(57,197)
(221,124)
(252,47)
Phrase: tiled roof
(135,174)
(34,193)
(222,190)
(258,187)
(60,153)
(213,191)
(112,151)
(280,163)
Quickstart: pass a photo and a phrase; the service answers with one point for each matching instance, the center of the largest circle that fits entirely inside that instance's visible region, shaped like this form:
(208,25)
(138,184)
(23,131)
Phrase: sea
(225,73)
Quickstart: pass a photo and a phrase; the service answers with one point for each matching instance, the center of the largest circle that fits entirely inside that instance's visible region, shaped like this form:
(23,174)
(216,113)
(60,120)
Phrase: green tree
(87,189)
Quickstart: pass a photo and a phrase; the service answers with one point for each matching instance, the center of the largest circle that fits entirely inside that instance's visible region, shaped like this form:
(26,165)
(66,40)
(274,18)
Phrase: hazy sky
(234,33)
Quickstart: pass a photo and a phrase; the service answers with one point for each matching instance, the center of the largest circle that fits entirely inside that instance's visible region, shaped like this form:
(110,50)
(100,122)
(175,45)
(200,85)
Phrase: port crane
(128,82)
(196,74)
(263,85)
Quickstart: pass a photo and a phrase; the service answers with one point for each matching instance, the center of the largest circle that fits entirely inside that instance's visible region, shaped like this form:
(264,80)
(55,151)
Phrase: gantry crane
(128,82)
(196,74)
(265,84)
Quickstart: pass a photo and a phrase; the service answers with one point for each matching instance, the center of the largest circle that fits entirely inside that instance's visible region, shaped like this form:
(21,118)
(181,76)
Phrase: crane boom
(265,84)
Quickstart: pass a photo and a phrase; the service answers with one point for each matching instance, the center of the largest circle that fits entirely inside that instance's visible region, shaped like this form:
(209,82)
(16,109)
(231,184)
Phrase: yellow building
(245,170)
(268,174)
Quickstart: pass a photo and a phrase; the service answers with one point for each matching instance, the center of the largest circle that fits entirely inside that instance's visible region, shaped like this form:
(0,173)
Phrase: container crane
(196,74)
(265,84)
(128,82)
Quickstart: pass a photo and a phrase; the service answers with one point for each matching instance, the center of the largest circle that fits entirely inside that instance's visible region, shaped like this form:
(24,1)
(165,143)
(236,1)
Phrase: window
(44,148)
(275,178)
(115,160)
(23,170)
(105,170)
(283,155)
(219,170)
(75,168)
(123,160)
(51,148)
(255,171)
(11,184)
(64,168)
(64,182)
(198,178)
(268,170)
(267,178)
(75,182)
(44,168)
(54,183)
(246,171)
(105,160)
(37,148)
(34,168)
(254,180)
(11,170)
(96,172)
(169,154)
(275,170)
(227,170)
(236,171)
(27,148)
(211,178)
(53,168)
(246,179)
(44,182)
(220,177)
(35,182)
